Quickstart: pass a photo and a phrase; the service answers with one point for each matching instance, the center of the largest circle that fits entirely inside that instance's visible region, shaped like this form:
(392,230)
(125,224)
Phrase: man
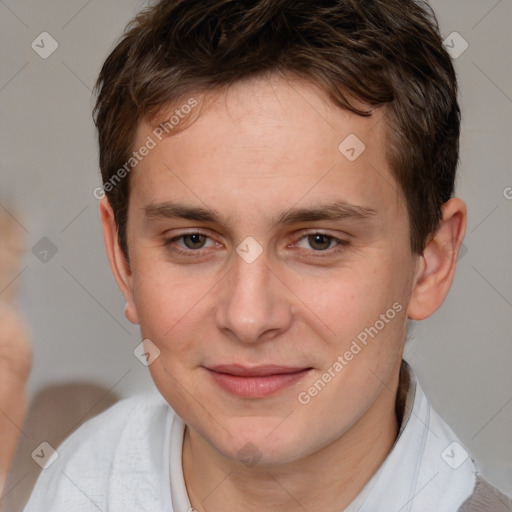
(279,203)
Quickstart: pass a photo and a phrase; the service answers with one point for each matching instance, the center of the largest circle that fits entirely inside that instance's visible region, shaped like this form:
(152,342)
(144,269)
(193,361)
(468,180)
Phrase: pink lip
(256,382)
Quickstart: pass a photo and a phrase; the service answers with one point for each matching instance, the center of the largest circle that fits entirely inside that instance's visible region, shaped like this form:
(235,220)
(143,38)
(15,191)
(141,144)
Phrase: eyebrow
(339,210)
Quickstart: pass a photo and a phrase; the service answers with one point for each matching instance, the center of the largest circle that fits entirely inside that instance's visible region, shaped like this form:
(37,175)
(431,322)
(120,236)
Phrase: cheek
(169,306)
(172,315)
(352,299)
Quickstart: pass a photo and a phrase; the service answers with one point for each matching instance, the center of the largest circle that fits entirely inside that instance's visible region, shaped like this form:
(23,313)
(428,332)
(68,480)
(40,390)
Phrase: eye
(320,242)
(195,244)
(194,240)
(189,243)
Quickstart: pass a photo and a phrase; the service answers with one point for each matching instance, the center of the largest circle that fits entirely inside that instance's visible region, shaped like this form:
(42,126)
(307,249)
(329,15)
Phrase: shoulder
(127,421)
(127,440)
(486,498)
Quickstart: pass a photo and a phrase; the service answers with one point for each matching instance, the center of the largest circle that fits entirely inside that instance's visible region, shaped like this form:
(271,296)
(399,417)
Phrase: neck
(327,480)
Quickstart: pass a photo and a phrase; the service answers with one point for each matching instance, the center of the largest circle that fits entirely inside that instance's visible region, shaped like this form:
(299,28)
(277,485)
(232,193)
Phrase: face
(271,267)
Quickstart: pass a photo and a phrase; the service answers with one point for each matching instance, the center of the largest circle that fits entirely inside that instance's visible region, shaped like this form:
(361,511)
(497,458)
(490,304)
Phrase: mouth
(256,382)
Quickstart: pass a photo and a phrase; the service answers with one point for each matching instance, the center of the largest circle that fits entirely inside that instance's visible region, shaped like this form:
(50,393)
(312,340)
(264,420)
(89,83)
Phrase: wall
(82,340)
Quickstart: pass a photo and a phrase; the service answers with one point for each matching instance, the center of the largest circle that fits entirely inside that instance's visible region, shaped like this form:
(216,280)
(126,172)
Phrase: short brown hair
(382,52)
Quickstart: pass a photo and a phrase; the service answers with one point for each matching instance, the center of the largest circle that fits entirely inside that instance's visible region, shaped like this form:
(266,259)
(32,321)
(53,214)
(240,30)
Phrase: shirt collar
(416,475)
(413,477)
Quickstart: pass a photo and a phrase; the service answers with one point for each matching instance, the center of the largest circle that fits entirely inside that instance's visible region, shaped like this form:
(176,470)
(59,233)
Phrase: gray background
(49,169)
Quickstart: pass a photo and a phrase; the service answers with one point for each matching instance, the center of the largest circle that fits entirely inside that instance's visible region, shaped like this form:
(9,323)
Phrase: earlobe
(438,262)
(130,312)
(118,263)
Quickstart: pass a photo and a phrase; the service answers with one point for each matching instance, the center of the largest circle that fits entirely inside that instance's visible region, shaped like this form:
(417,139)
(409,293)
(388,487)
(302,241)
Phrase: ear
(437,264)
(119,265)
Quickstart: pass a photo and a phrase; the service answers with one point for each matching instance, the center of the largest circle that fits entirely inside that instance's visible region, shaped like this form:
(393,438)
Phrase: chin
(257,444)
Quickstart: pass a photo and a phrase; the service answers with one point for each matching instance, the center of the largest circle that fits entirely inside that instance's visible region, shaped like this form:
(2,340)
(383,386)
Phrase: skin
(15,347)
(257,149)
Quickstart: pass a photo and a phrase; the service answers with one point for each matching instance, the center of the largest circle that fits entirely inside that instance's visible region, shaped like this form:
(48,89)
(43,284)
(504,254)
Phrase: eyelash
(197,253)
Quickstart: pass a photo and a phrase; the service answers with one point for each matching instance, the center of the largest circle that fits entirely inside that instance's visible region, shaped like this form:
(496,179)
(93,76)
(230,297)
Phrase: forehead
(264,144)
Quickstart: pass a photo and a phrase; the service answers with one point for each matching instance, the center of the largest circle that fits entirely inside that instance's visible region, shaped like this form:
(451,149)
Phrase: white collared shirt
(427,469)
(124,459)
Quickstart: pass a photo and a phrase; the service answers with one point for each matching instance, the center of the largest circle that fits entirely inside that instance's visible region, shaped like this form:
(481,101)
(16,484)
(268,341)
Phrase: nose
(254,304)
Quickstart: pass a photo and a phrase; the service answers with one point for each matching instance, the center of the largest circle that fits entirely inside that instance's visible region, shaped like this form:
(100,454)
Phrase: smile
(256,382)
